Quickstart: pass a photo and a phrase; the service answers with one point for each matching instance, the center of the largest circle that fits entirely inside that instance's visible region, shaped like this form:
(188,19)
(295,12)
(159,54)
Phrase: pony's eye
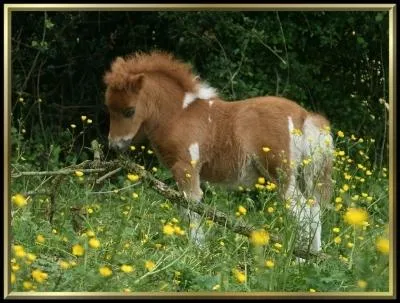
(128,112)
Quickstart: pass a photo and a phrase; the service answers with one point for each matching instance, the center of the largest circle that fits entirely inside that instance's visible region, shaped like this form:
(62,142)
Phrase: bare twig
(57,172)
(111,173)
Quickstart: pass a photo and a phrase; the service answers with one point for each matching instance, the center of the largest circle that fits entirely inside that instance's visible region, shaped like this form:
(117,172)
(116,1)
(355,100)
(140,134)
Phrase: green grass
(130,232)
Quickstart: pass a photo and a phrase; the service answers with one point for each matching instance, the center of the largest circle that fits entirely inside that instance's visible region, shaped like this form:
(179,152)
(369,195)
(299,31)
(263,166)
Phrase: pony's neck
(164,99)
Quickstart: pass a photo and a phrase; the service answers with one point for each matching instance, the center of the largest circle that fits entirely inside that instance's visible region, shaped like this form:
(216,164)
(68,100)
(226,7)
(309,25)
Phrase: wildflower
(296,132)
(13,278)
(239,275)
(40,239)
(345,187)
(337,240)
(312,290)
(216,287)
(266,149)
(127,268)
(133,177)
(356,216)
(259,237)
(90,233)
(338,207)
(178,231)
(340,134)
(355,197)
(15,267)
(261,180)
(83,118)
(78,250)
(242,210)
(350,245)
(271,186)
(27,285)
(127,290)
(105,271)
(89,121)
(369,198)
(306,161)
(353,137)
(341,153)
(94,243)
(19,200)
(269,263)
(278,245)
(19,251)
(78,173)
(336,229)
(132,148)
(64,264)
(270,210)
(368,173)
(382,245)
(168,229)
(54,231)
(73,126)
(347,176)
(39,276)
(362,284)
(149,265)
(193,163)
(360,166)
(327,128)
(31,257)
(188,175)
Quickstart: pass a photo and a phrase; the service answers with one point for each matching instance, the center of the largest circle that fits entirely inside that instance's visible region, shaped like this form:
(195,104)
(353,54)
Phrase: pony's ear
(135,82)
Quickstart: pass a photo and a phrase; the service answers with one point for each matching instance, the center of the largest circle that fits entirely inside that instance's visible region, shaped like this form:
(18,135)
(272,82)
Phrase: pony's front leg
(188,180)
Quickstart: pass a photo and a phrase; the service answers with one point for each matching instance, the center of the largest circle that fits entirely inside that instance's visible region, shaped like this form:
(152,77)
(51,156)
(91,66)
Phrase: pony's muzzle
(119,144)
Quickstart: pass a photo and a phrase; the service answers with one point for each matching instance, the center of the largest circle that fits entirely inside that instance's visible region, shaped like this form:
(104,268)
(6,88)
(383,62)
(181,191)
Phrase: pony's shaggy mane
(122,69)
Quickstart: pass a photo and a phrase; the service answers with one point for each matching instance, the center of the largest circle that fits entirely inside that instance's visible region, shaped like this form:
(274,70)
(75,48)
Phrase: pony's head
(133,94)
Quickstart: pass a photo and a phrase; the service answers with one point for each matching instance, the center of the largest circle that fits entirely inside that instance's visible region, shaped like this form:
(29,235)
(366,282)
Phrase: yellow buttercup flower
(362,284)
(83,118)
(259,237)
(40,239)
(39,275)
(356,216)
(336,229)
(340,134)
(64,264)
(149,265)
(168,229)
(337,240)
(269,263)
(19,200)
(239,275)
(133,177)
(19,251)
(266,149)
(105,271)
(242,210)
(382,245)
(78,173)
(94,243)
(127,268)
(261,180)
(78,250)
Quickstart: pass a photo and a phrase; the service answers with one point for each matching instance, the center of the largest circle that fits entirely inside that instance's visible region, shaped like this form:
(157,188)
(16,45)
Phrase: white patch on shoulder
(188,99)
(203,92)
(194,151)
(206,92)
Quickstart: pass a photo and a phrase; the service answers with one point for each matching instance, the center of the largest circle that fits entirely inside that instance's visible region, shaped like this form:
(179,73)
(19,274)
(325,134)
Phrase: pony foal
(198,136)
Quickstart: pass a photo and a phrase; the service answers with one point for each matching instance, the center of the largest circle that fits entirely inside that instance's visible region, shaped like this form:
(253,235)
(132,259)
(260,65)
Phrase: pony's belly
(245,175)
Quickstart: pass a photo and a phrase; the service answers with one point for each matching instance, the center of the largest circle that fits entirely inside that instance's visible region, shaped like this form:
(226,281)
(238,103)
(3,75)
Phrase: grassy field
(122,236)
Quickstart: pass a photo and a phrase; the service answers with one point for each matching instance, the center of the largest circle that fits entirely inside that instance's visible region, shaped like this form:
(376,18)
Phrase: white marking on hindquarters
(317,146)
(194,151)
(307,216)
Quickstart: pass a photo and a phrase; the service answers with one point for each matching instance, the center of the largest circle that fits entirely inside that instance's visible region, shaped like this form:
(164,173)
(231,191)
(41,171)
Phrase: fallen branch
(208,211)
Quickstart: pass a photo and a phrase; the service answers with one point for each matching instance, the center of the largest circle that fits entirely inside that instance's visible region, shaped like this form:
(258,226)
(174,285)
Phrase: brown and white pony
(198,136)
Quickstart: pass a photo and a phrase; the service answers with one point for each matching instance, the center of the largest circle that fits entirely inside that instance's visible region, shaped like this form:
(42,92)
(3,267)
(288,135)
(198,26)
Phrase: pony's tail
(318,149)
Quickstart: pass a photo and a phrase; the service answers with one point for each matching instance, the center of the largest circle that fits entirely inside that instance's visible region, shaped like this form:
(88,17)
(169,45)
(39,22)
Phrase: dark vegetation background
(335,63)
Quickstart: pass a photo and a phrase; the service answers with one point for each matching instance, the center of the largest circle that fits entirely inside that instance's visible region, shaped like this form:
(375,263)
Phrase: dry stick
(107,175)
(57,172)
